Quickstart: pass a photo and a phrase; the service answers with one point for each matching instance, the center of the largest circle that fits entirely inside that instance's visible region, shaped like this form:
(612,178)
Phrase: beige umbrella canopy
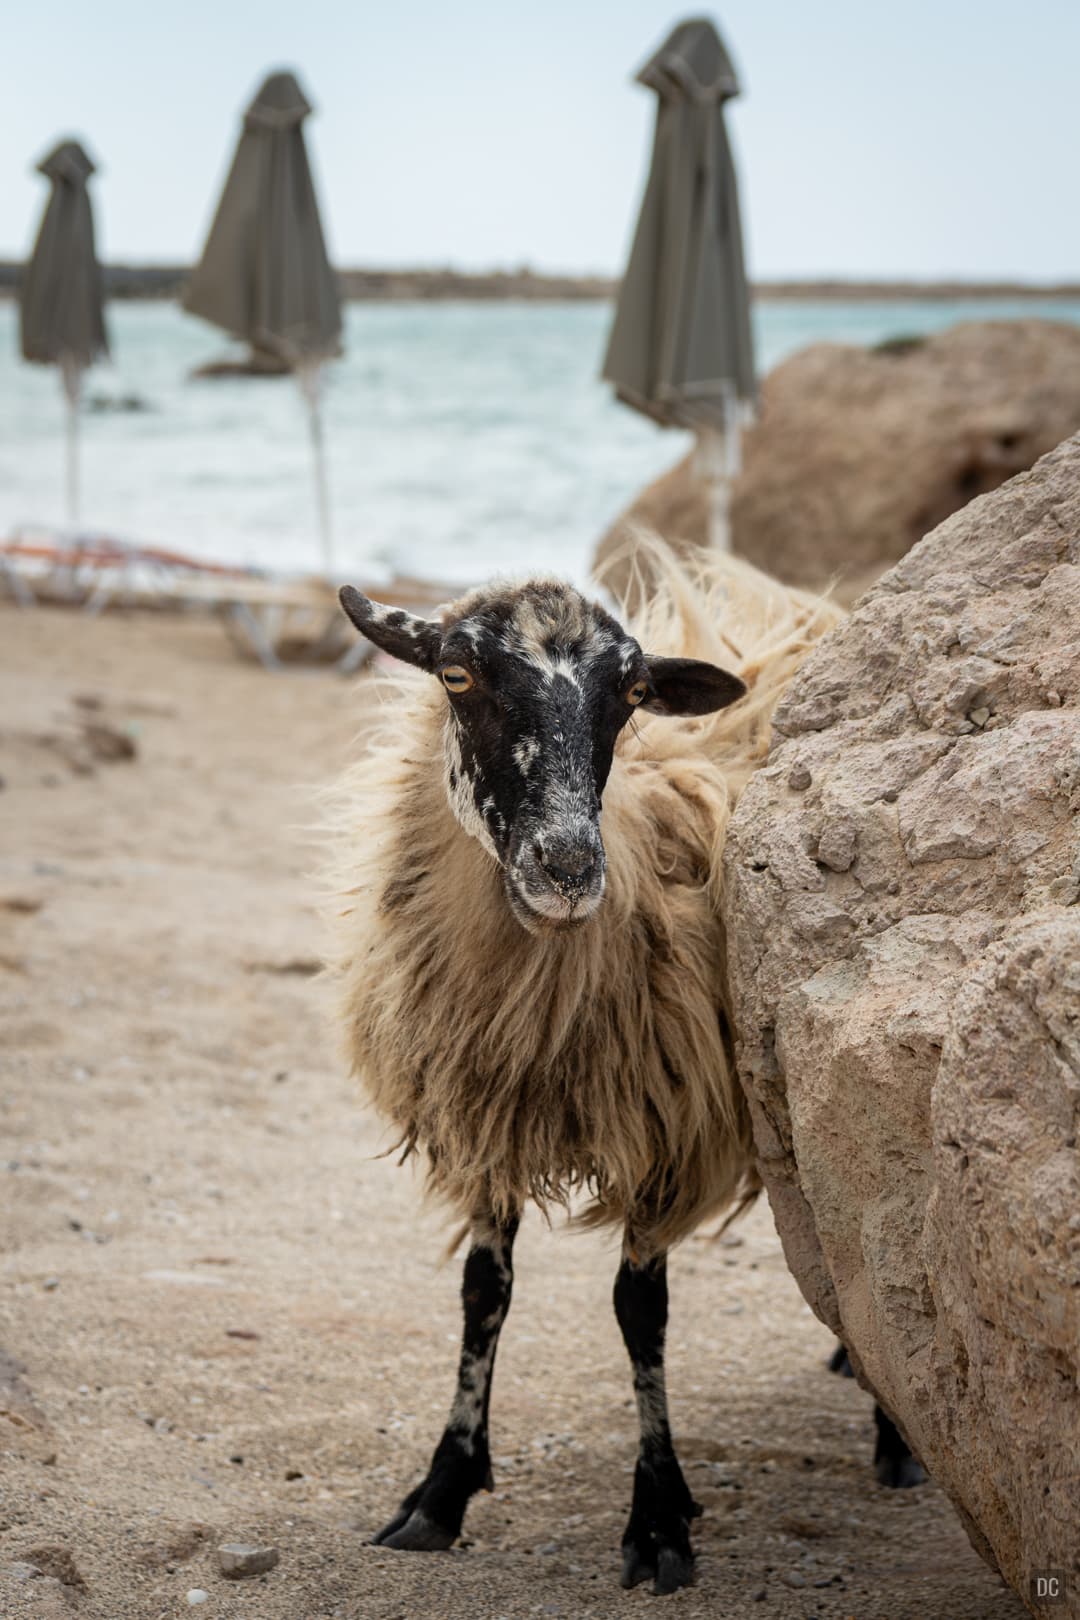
(61,300)
(681,348)
(264,274)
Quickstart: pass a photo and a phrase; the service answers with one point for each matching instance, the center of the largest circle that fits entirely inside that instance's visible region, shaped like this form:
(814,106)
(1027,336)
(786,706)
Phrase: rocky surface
(902,904)
(860,452)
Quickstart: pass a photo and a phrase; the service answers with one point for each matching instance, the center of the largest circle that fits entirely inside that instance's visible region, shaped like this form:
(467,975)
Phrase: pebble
(793,1578)
(50,1283)
(798,778)
(197,1595)
(239,1562)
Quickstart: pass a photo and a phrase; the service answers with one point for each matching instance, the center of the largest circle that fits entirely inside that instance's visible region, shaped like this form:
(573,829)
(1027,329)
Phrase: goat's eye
(638,692)
(456,679)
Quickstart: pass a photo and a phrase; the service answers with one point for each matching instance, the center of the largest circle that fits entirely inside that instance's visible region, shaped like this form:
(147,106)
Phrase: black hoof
(840,1362)
(656,1545)
(894,1464)
(668,1567)
(430,1518)
(900,1473)
(414,1532)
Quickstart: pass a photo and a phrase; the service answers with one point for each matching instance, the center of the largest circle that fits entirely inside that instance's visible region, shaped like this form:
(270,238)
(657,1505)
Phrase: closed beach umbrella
(681,348)
(264,275)
(61,301)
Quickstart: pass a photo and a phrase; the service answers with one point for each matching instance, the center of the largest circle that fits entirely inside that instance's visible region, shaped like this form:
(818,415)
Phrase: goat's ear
(689,686)
(402,635)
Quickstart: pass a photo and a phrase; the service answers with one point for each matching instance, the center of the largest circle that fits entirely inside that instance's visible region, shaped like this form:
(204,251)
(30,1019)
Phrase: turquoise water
(462,438)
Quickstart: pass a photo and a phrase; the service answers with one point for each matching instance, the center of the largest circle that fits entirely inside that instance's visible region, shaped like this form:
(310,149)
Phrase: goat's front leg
(430,1517)
(656,1543)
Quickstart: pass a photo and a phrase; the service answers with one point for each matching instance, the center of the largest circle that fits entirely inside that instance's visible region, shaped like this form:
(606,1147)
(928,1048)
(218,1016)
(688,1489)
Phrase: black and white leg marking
(429,1519)
(656,1542)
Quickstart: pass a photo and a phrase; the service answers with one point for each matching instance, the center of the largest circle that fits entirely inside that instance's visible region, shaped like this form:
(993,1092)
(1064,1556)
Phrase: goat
(534,994)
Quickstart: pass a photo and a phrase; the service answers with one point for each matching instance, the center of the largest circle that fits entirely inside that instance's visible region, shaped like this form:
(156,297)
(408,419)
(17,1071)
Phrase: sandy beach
(222,1318)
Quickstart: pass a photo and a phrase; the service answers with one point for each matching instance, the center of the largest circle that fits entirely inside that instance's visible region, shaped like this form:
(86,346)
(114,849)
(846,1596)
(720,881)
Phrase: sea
(461,439)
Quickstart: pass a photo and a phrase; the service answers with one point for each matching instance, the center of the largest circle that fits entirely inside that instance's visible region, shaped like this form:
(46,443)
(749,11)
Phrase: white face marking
(470,631)
(459,790)
(525,753)
(554,906)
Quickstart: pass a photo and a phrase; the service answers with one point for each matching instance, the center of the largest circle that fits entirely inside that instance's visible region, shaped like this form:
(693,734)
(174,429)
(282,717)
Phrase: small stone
(238,1562)
(1053,699)
(979,717)
(196,1596)
(769,1467)
(799,778)
(793,1578)
(50,1283)
(293,1473)
(761,1594)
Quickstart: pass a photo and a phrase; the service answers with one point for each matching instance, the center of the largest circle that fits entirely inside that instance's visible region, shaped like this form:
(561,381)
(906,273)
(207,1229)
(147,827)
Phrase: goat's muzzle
(555,878)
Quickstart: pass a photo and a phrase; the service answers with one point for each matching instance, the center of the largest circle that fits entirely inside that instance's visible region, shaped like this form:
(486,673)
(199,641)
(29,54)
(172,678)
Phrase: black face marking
(530,744)
(537,689)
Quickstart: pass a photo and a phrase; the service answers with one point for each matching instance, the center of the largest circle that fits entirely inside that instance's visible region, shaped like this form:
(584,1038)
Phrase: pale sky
(933,137)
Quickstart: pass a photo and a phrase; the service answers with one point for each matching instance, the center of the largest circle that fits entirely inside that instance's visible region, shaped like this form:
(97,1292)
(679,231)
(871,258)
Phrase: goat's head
(539,682)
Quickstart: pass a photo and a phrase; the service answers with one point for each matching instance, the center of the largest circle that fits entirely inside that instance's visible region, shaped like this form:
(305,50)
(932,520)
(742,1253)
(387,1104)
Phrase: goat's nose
(569,863)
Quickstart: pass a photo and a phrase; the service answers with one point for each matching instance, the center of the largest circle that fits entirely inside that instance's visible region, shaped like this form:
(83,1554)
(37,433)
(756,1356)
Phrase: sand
(224,1319)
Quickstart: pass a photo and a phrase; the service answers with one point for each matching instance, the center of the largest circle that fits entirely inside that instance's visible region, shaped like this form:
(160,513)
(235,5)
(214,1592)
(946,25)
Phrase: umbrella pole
(719,460)
(71,376)
(309,376)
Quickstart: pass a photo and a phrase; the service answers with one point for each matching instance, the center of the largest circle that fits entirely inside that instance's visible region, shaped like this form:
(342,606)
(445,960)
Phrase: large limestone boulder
(860,452)
(903,916)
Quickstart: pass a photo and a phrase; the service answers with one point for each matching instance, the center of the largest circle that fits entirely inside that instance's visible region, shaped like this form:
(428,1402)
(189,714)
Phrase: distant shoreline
(123,281)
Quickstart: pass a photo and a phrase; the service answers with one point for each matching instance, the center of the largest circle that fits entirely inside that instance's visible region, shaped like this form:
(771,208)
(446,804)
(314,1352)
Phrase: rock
(239,1562)
(904,939)
(859,452)
(197,1596)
